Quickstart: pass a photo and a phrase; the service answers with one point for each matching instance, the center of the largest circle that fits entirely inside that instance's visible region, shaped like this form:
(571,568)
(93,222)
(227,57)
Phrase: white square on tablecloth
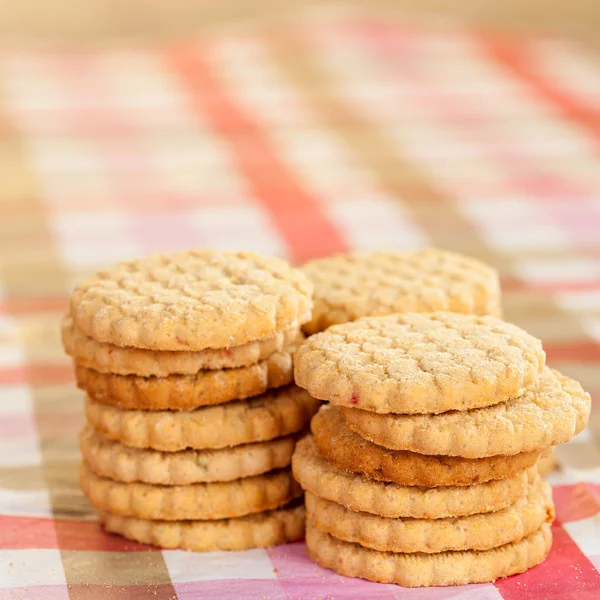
(579,300)
(586,534)
(25,503)
(16,400)
(34,566)
(197,566)
(478,591)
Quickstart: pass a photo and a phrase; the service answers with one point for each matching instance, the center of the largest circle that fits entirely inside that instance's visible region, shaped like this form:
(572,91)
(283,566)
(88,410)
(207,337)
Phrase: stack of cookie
(186,360)
(368,284)
(422,470)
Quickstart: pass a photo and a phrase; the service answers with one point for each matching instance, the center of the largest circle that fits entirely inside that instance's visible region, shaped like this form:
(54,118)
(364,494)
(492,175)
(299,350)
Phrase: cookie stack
(192,416)
(368,284)
(422,470)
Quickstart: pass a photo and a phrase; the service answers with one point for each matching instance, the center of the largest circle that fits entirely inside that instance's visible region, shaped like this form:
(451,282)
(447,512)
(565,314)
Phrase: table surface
(328,132)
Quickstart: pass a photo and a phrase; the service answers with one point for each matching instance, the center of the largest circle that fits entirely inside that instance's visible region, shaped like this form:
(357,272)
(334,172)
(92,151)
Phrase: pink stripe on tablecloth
(566,569)
(36,592)
(576,502)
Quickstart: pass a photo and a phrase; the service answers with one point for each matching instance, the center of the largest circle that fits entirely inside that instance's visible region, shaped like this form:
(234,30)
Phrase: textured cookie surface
(259,530)
(205,501)
(110,459)
(359,493)
(347,450)
(108,358)
(551,413)
(419,363)
(547,464)
(418,570)
(186,392)
(191,300)
(349,286)
(273,414)
(475,532)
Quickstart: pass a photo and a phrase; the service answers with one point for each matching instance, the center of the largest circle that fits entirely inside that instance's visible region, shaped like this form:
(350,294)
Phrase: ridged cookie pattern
(474,532)
(349,286)
(259,530)
(191,300)
(113,460)
(205,501)
(550,413)
(419,363)
(347,450)
(186,392)
(420,570)
(361,494)
(276,413)
(108,358)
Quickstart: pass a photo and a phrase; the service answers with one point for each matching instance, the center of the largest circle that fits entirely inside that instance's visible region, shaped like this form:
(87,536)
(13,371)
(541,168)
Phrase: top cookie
(349,286)
(419,363)
(191,300)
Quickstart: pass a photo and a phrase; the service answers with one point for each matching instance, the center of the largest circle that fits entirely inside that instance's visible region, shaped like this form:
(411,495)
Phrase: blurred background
(61,20)
(289,128)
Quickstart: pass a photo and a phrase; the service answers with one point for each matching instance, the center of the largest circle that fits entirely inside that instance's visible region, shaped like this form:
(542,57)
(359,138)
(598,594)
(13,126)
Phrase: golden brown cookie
(475,532)
(547,463)
(186,392)
(192,300)
(347,450)
(203,501)
(274,414)
(361,284)
(278,526)
(419,570)
(110,459)
(419,363)
(359,493)
(551,413)
(108,358)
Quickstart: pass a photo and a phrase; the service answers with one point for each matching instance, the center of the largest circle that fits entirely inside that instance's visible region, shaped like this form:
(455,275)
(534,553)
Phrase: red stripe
(516,58)
(576,502)
(585,351)
(20,533)
(37,374)
(566,573)
(18,306)
(297,216)
(87,535)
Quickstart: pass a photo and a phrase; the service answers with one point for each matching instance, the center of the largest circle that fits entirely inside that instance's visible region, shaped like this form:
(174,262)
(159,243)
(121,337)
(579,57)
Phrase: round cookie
(360,284)
(547,463)
(186,392)
(276,413)
(550,413)
(347,450)
(361,494)
(420,570)
(474,532)
(191,300)
(108,358)
(260,530)
(419,363)
(203,501)
(112,460)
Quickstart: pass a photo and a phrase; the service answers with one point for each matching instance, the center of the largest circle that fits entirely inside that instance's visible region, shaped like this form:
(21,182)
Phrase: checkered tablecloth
(298,139)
